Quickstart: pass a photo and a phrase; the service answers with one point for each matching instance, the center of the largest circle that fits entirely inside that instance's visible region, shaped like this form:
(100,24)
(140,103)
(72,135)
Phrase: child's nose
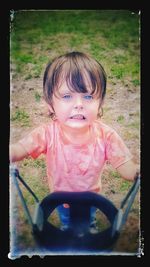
(78,103)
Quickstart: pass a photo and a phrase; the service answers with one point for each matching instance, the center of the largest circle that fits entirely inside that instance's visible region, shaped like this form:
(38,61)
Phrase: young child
(76,143)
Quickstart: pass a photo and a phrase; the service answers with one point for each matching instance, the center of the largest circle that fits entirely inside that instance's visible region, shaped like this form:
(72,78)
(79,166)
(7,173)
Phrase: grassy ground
(112,37)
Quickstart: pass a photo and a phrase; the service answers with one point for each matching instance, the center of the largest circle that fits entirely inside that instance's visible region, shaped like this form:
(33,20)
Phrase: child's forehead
(66,78)
(64,86)
(77,80)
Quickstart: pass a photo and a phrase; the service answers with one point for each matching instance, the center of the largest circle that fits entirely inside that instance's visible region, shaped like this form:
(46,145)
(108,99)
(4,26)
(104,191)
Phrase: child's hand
(17,152)
(128,170)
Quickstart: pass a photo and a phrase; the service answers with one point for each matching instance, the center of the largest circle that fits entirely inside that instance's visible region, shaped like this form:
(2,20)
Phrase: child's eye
(66,97)
(88,97)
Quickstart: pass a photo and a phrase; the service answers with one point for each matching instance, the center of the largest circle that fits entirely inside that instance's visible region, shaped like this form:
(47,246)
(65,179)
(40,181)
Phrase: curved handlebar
(79,203)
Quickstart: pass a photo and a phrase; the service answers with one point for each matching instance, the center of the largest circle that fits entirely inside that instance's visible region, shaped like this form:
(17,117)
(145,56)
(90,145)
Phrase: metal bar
(136,183)
(22,199)
(15,175)
(28,188)
(122,217)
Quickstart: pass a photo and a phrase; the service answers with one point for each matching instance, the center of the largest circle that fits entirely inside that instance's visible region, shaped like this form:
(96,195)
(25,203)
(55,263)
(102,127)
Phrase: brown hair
(74,68)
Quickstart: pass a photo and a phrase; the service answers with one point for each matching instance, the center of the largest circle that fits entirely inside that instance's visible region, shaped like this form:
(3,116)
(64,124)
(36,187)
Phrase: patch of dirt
(121,100)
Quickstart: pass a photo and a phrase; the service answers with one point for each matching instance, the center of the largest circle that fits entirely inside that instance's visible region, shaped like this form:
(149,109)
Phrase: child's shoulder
(103,127)
(43,127)
(50,126)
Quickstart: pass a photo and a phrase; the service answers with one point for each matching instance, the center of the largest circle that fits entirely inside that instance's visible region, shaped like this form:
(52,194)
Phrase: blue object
(64,215)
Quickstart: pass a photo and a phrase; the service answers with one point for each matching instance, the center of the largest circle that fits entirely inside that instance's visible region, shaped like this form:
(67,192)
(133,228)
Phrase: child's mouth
(78,117)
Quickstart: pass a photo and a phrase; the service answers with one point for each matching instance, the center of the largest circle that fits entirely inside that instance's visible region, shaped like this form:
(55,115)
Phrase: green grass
(120,119)
(125,185)
(134,125)
(136,82)
(38,163)
(115,174)
(37,97)
(21,116)
(111,36)
(35,168)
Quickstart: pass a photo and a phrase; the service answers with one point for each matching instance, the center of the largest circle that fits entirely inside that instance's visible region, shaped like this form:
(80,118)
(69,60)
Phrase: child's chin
(77,123)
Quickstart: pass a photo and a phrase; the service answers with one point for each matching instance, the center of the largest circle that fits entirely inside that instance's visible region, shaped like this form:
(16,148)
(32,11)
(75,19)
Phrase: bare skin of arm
(128,170)
(17,152)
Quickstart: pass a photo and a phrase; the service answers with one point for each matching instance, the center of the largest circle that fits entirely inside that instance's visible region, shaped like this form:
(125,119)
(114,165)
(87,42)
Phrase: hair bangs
(76,82)
(81,73)
(82,81)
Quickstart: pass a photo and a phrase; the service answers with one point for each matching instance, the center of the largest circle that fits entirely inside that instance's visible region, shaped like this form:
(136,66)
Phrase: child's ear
(101,104)
(100,110)
(50,108)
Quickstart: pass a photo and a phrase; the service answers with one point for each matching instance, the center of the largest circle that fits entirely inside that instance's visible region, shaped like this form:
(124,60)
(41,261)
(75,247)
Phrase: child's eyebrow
(74,92)
(63,92)
(66,92)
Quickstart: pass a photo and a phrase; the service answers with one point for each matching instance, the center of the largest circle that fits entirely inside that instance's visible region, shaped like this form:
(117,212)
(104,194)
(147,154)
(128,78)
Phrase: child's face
(73,109)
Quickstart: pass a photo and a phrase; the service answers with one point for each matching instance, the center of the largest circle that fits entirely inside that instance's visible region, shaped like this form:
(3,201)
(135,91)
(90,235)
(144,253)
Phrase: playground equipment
(77,238)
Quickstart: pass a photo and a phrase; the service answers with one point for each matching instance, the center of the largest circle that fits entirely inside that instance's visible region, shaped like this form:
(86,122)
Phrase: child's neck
(75,135)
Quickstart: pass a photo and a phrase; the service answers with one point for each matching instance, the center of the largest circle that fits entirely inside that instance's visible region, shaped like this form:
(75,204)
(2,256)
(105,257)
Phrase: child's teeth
(77,117)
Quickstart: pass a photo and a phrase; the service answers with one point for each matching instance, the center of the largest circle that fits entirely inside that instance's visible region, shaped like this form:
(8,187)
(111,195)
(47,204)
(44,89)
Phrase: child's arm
(128,170)
(17,152)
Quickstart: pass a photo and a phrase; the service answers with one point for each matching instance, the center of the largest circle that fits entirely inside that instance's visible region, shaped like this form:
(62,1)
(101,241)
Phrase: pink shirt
(76,167)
